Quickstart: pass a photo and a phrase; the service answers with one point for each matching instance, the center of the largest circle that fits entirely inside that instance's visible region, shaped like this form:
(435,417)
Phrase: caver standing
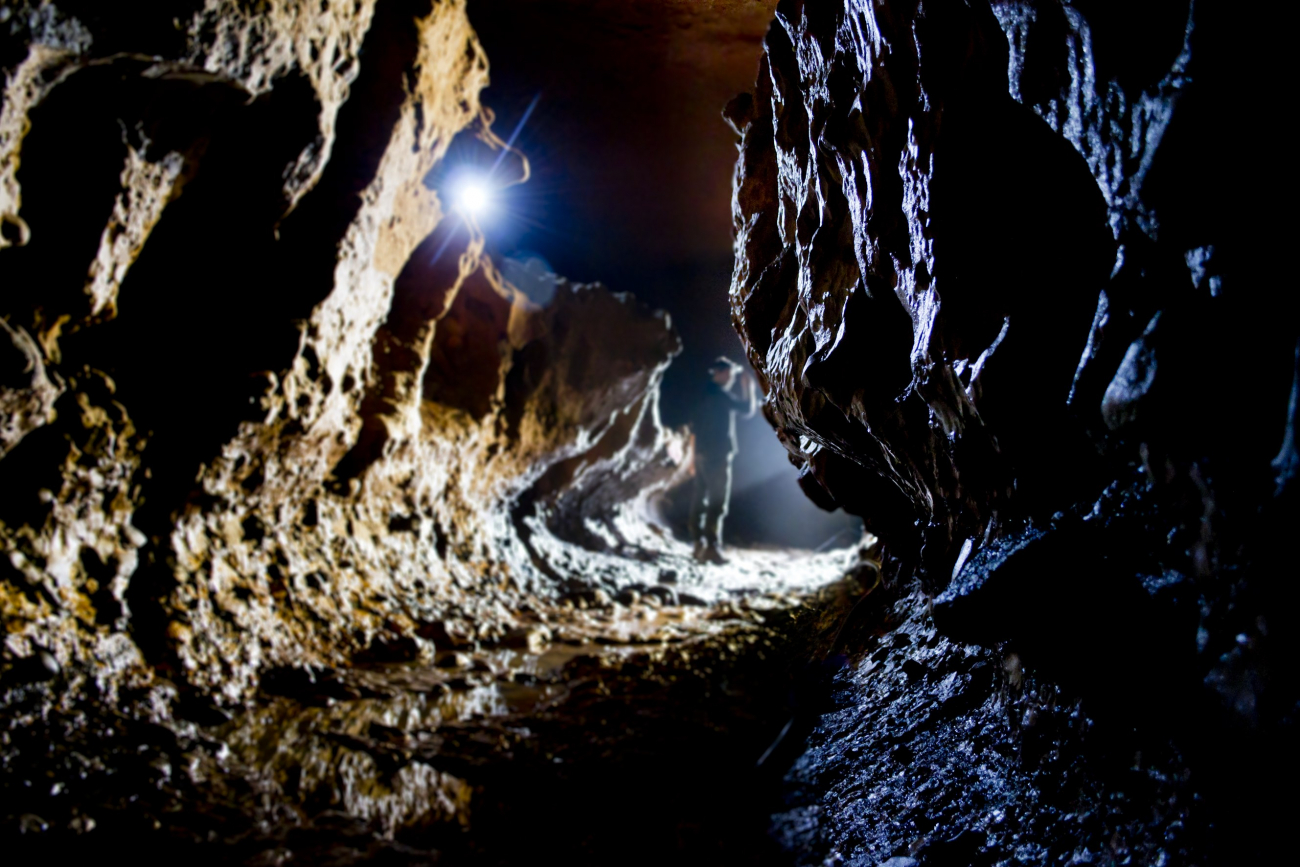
(728,391)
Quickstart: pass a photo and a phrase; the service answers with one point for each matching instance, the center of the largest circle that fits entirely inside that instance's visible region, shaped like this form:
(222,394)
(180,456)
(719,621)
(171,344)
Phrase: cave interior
(355,411)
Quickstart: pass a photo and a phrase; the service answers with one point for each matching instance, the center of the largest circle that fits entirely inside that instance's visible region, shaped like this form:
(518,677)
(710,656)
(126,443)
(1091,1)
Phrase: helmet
(722,363)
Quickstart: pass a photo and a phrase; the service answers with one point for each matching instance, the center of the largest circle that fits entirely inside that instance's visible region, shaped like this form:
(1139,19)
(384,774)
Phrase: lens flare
(473,196)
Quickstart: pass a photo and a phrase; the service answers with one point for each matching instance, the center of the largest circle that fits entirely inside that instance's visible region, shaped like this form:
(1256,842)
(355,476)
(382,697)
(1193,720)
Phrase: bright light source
(473,196)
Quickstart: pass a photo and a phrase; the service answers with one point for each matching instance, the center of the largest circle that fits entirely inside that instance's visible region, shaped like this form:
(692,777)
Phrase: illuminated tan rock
(252,418)
(272,426)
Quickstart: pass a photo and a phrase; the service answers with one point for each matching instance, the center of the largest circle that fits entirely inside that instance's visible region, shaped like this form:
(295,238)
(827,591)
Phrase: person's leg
(719,502)
(718,480)
(699,507)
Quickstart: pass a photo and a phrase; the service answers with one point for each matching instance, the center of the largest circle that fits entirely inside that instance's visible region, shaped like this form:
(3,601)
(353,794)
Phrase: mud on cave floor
(615,730)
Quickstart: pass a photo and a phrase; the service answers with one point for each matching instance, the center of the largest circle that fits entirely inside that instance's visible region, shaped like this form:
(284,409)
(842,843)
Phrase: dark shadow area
(469,349)
(72,154)
(1020,240)
(363,129)
(187,356)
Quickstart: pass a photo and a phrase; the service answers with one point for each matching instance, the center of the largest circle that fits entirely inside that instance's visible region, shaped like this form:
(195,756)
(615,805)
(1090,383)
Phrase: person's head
(723,371)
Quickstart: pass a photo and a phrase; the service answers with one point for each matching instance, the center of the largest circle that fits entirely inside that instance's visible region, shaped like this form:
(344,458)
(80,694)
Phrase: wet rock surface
(985,268)
(946,753)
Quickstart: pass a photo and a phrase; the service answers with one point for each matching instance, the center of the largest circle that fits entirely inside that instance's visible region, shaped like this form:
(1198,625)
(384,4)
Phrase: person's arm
(750,388)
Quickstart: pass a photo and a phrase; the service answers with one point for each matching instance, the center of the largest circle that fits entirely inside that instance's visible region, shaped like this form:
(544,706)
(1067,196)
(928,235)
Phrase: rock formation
(1008,298)
(269,413)
(266,400)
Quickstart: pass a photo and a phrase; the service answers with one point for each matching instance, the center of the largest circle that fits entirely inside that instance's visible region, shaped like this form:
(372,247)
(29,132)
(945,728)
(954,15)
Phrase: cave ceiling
(628,128)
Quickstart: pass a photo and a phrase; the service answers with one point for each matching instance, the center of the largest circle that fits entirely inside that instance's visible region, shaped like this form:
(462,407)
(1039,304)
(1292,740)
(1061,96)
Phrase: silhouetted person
(727,391)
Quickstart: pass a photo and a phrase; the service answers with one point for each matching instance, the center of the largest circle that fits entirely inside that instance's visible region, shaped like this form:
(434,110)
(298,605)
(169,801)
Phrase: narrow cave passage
(597,432)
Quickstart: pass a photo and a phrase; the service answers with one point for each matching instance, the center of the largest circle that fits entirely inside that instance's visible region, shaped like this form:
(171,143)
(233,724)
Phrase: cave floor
(621,727)
(784,709)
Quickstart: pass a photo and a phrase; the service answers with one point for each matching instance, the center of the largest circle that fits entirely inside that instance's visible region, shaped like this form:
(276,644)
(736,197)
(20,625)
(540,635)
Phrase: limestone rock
(27,400)
(268,405)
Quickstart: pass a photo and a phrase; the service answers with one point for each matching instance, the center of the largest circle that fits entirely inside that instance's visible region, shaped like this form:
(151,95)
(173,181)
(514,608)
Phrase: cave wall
(1001,197)
(1013,301)
(265,401)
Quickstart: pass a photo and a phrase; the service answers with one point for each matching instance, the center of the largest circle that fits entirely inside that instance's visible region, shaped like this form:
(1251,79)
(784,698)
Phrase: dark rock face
(935,752)
(1011,303)
(958,232)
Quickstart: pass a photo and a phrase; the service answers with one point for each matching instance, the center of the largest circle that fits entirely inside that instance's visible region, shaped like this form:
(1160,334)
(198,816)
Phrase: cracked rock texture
(1012,301)
(266,404)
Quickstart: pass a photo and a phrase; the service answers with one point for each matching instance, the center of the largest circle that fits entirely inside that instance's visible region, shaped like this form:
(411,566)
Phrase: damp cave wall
(1013,277)
(266,403)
